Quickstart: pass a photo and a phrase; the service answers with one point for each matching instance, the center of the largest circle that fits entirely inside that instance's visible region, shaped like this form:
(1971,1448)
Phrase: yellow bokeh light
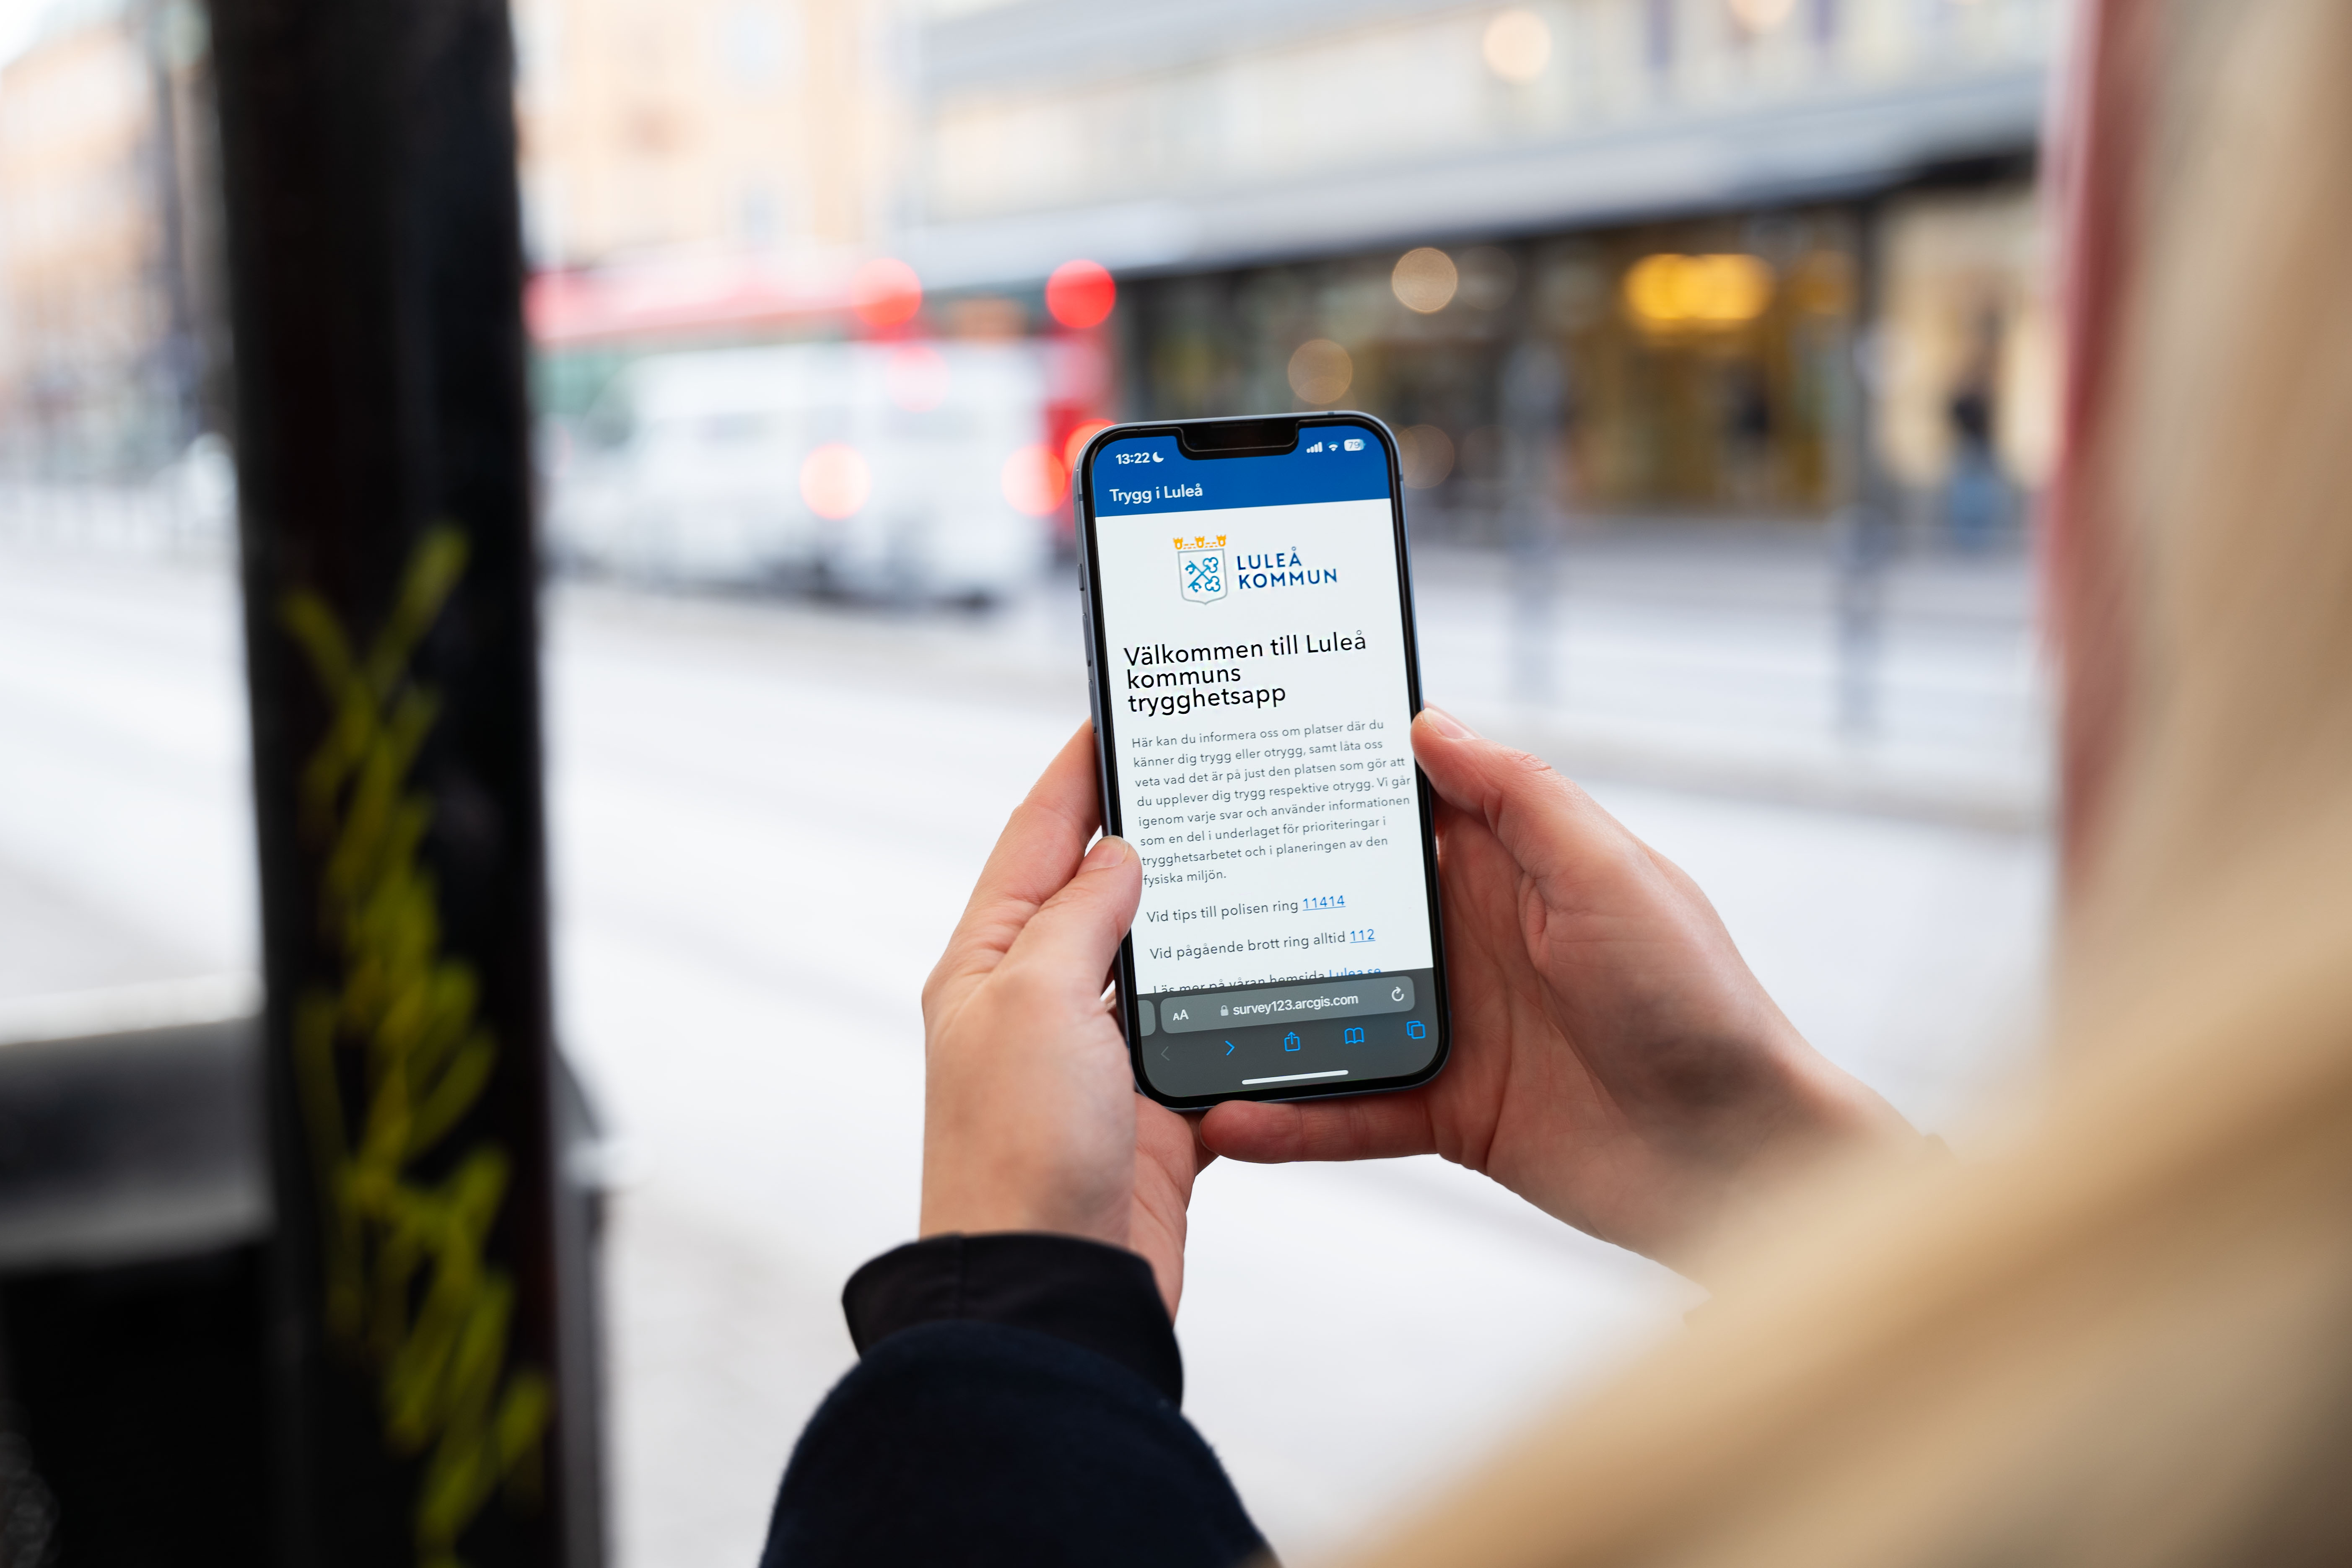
(1666,291)
(1320,371)
(1517,46)
(1424,279)
(1762,16)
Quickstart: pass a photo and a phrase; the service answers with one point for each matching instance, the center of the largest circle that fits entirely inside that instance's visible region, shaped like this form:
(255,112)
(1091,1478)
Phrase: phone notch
(1238,437)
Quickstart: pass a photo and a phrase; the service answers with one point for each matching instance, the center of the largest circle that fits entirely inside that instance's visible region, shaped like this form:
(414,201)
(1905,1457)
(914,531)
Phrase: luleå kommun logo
(1201,568)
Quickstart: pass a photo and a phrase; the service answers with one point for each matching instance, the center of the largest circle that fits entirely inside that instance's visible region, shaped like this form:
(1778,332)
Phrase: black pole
(430,1391)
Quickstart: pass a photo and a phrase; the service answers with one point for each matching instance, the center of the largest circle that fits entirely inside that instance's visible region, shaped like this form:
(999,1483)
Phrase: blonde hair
(2128,1339)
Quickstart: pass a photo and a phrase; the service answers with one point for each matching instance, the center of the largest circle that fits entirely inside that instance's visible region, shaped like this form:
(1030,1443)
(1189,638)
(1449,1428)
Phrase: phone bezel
(1098,697)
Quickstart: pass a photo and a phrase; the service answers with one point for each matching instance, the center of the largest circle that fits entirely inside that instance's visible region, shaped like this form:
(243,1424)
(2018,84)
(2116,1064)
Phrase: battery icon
(1354,444)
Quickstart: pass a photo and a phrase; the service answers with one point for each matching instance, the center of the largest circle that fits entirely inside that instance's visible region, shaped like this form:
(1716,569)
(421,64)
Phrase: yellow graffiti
(408,1286)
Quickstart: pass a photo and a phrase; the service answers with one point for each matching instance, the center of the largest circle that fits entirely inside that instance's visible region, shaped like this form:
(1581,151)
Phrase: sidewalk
(1698,658)
(1709,657)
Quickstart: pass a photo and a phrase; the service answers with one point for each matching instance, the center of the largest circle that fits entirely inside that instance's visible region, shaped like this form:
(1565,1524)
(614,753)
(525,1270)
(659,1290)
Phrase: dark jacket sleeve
(1015,1404)
(1102,1298)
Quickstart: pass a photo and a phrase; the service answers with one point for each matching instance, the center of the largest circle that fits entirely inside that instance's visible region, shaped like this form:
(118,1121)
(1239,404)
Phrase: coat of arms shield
(1201,568)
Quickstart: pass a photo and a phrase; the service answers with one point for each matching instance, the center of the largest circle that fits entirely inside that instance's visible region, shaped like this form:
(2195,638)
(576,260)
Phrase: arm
(1015,1401)
(1031,1121)
(1614,1061)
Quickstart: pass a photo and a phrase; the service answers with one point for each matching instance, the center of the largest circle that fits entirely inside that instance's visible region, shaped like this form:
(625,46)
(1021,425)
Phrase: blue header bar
(1152,474)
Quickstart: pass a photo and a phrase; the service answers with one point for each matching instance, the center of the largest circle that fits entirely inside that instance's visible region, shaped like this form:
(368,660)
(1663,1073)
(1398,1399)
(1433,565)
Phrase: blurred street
(1717,343)
(767,814)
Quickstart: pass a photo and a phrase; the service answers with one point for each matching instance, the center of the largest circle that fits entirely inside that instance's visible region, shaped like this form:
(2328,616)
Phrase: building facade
(704,127)
(102,357)
(1698,256)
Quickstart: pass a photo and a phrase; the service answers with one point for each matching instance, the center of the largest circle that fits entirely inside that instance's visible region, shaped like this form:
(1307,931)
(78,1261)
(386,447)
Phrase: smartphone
(1248,610)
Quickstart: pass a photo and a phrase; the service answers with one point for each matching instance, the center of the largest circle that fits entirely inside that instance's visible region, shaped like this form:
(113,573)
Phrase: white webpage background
(1231,807)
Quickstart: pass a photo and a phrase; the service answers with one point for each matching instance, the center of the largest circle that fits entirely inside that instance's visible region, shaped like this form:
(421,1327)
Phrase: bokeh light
(1518,45)
(1320,371)
(1762,16)
(1666,292)
(916,377)
(1425,454)
(1080,294)
(1076,444)
(1424,279)
(834,480)
(886,292)
(1035,482)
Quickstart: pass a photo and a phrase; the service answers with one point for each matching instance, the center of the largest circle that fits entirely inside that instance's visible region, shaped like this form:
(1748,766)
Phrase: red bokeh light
(1035,482)
(1077,442)
(1080,294)
(834,480)
(886,292)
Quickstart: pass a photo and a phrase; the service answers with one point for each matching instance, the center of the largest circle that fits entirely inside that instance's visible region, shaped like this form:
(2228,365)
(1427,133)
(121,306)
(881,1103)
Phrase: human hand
(1614,1061)
(1031,1121)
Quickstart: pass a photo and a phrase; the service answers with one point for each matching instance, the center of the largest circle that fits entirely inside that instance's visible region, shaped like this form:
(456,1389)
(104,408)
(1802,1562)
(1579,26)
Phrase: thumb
(1077,932)
(1552,828)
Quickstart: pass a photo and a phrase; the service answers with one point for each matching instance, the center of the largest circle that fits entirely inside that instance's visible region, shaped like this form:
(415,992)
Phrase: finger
(1383,1127)
(1556,832)
(1173,1136)
(1074,934)
(1035,854)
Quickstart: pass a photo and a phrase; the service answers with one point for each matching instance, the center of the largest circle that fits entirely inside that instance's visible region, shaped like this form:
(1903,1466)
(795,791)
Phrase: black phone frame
(1214,438)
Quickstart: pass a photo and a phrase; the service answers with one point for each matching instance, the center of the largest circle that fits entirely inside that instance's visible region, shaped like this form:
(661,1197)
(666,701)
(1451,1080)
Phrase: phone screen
(1256,681)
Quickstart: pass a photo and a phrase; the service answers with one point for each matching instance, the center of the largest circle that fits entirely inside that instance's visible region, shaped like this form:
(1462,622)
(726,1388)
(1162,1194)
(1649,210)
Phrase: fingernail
(1106,852)
(1447,725)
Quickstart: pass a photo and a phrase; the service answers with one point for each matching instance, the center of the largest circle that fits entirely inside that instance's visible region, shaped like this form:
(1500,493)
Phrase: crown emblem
(1199,542)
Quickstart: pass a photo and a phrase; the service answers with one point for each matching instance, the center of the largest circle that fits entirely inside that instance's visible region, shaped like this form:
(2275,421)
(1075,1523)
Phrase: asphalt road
(766,819)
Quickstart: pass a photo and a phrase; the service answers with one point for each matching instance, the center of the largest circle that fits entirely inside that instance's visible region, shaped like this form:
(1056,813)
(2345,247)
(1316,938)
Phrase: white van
(689,469)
